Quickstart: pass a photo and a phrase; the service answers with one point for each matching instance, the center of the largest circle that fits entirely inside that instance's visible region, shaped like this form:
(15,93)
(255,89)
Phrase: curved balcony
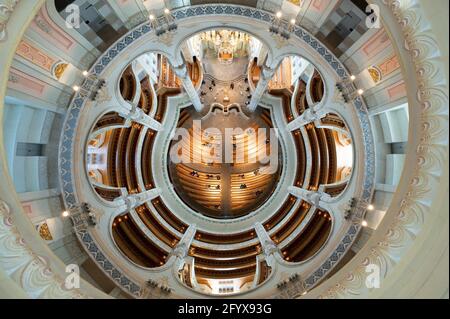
(133,243)
(309,241)
(128,85)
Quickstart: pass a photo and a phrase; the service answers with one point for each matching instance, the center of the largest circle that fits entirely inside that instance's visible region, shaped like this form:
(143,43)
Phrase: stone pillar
(137,115)
(181,250)
(131,201)
(313,114)
(318,199)
(134,200)
(182,73)
(268,246)
(266,75)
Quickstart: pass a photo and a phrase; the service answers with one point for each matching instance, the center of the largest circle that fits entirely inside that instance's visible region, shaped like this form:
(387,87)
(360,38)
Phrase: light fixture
(360,91)
(280,28)
(352,77)
(65,214)
(163,26)
(76,88)
(85,73)
(364,223)
(370,207)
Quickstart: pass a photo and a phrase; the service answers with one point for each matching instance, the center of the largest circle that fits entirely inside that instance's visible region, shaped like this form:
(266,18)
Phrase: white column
(137,115)
(318,199)
(182,72)
(134,200)
(131,201)
(181,250)
(266,75)
(313,114)
(267,244)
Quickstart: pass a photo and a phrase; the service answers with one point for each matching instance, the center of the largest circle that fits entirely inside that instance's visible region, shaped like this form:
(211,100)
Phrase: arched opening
(219,171)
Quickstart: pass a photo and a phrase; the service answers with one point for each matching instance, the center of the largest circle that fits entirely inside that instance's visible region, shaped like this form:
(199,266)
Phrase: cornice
(30,270)
(429,157)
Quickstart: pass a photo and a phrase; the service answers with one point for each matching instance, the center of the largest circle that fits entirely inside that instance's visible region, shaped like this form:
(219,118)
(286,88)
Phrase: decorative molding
(29,270)
(6,9)
(376,44)
(13,78)
(29,52)
(382,70)
(375,74)
(59,68)
(389,65)
(397,90)
(25,83)
(430,153)
(44,231)
(43,25)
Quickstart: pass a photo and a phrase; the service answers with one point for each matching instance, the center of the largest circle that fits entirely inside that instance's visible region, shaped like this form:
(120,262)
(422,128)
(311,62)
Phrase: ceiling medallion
(59,69)
(375,74)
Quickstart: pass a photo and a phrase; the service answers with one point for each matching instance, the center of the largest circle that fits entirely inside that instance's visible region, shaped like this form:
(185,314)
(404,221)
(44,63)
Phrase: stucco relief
(382,70)
(6,9)
(29,270)
(430,154)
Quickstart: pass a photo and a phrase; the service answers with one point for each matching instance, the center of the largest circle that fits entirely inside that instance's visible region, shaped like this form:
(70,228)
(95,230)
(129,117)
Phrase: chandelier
(227,43)
(225,53)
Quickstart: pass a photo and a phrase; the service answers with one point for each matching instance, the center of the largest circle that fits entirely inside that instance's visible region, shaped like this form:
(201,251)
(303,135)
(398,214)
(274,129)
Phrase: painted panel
(35,56)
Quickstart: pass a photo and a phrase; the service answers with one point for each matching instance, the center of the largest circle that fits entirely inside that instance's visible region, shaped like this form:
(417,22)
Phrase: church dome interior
(257,149)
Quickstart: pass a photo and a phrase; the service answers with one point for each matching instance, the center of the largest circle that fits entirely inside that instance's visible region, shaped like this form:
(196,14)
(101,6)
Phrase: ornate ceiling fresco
(222,150)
